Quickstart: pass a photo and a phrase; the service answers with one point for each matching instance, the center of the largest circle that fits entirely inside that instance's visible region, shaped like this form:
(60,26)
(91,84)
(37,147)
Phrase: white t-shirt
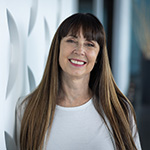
(80,128)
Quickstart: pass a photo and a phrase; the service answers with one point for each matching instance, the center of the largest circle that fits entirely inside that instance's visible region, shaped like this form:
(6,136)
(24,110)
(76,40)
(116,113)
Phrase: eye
(90,44)
(71,41)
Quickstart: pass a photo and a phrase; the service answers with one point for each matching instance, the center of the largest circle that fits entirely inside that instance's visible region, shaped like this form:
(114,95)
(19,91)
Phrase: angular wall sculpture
(26,31)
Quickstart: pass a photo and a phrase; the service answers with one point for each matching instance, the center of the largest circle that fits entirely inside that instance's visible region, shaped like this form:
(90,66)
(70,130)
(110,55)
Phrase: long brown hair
(40,109)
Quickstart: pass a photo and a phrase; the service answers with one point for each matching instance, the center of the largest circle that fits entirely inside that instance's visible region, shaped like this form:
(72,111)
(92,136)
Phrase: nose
(80,49)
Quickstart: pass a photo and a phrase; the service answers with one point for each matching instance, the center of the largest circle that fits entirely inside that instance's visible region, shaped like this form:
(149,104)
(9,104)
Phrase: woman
(77,105)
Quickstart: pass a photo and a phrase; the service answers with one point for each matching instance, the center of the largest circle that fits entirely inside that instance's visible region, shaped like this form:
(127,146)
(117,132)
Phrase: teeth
(77,62)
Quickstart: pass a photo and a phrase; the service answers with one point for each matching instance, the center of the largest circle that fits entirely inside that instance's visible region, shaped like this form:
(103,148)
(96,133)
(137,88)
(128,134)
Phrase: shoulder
(21,106)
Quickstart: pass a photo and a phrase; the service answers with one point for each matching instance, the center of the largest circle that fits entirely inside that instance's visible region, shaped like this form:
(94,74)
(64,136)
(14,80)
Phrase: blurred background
(27,28)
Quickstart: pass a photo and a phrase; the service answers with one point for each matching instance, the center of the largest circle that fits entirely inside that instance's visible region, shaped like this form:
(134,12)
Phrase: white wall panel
(26,31)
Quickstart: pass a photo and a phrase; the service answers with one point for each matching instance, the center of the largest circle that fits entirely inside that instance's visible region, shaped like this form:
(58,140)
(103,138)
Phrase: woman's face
(77,55)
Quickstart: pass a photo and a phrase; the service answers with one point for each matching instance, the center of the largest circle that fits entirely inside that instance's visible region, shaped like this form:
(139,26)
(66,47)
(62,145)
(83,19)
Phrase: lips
(77,62)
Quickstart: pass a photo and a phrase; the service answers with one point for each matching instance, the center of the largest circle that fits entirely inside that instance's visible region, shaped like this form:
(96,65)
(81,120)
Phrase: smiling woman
(78,55)
(77,105)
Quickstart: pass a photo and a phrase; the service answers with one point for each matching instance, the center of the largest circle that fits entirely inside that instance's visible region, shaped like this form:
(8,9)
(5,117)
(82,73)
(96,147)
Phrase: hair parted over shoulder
(107,98)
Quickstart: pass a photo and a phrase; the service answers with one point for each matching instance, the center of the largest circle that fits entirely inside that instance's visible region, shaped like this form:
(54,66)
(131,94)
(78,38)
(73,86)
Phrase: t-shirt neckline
(75,107)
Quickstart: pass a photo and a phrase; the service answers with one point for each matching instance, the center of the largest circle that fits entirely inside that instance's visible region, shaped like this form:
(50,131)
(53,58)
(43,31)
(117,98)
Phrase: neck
(75,91)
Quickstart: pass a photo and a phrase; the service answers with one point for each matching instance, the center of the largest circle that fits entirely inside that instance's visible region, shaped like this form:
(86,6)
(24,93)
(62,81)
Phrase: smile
(77,62)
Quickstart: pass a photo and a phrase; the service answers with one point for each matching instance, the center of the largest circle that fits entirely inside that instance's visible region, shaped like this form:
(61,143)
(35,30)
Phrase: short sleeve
(19,111)
(135,135)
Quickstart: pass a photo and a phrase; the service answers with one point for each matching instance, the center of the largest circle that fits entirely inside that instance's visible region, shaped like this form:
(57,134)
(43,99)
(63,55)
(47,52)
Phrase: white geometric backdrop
(26,31)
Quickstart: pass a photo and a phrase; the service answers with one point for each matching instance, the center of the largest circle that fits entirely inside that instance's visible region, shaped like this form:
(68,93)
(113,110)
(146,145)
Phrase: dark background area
(139,87)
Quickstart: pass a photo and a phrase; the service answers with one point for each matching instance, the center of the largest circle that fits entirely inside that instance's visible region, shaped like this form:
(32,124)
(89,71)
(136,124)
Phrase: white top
(80,128)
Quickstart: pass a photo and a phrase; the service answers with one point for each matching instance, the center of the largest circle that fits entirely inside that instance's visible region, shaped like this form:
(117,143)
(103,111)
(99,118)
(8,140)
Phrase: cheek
(61,53)
(63,56)
(60,56)
(93,56)
(64,50)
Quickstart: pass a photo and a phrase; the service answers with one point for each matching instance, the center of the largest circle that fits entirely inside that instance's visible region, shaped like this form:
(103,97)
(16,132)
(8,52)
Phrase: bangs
(92,29)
